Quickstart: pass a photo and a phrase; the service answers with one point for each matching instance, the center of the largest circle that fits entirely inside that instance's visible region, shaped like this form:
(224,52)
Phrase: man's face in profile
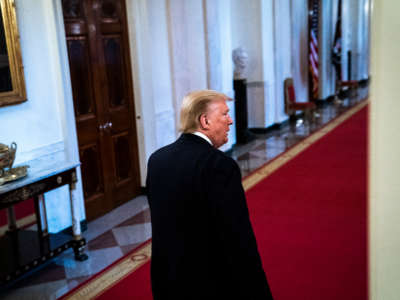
(219,121)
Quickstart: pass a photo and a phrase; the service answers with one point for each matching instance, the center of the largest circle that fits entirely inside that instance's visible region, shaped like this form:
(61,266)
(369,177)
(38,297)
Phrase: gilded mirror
(12,83)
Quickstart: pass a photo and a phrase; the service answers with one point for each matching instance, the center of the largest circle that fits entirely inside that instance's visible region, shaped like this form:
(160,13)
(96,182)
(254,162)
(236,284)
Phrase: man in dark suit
(203,245)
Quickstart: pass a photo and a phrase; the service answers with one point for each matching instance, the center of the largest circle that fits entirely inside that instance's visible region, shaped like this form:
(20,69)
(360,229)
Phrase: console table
(21,250)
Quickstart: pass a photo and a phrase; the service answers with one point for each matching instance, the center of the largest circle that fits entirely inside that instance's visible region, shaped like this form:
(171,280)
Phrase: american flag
(313,56)
(337,44)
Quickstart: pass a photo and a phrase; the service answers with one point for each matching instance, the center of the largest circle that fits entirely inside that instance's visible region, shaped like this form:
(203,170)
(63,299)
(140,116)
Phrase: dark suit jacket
(203,245)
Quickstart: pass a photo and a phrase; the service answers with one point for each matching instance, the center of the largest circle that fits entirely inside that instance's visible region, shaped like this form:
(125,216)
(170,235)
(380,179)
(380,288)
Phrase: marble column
(187,48)
(350,19)
(299,33)
(364,10)
(161,81)
(140,51)
(327,26)
(219,65)
(283,54)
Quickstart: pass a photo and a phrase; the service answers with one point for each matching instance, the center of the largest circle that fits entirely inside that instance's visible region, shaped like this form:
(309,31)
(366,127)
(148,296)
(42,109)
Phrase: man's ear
(203,121)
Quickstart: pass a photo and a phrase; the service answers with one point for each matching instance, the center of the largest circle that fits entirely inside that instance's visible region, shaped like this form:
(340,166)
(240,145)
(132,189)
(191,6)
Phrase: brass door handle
(105,126)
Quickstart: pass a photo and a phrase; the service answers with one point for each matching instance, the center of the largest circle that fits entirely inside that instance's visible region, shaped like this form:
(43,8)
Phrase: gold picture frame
(13,91)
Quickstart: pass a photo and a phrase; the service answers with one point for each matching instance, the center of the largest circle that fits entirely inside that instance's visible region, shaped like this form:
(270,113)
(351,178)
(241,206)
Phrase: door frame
(66,104)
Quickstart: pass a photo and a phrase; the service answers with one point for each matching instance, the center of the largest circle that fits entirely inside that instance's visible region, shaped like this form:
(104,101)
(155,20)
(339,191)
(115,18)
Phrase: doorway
(98,52)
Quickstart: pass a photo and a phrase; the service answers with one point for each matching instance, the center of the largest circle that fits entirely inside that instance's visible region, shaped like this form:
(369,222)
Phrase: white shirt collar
(202,135)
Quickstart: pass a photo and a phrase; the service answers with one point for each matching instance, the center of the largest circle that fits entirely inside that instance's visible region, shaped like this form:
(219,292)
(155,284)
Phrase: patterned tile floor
(120,231)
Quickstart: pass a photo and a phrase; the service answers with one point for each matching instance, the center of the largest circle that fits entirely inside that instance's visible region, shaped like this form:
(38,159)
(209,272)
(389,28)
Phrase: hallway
(119,232)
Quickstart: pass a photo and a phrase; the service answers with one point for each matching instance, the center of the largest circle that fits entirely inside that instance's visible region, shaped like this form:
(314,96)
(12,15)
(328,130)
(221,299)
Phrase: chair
(291,106)
(349,83)
(345,87)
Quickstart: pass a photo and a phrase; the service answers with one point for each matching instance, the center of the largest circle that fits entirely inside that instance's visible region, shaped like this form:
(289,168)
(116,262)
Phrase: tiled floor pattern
(109,238)
(122,230)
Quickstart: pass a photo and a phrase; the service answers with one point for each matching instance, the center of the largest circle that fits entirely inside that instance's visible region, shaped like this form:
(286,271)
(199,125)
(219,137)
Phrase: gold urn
(7,156)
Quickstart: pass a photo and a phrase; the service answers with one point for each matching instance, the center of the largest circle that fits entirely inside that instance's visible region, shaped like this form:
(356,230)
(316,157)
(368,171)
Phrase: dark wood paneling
(122,153)
(91,171)
(114,65)
(78,53)
(103,99)
(72,9)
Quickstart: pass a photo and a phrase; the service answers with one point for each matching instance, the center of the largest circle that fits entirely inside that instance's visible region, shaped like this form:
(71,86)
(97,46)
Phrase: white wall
(384,187)
(200,45)
(247,33)
(34,124)
(176,46)
(255,27)
(198,36)
(44,125)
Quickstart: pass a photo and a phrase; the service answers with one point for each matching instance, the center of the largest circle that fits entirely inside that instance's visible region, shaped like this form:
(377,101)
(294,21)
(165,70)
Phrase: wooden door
(98,50)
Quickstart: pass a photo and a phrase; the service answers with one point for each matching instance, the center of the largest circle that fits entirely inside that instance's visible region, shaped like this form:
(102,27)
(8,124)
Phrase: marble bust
(240,60)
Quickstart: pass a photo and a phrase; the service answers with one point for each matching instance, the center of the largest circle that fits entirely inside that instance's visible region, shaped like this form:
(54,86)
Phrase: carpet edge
(268,168)
(112,275)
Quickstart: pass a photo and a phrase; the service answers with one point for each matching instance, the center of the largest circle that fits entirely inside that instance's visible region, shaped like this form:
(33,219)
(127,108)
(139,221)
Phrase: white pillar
(161,80)
(283,46)
(350,23)
(299,34)
(218,54)
(327,75)
(187,48)
(363,39)
(268,62)
(140,51)
(384,187)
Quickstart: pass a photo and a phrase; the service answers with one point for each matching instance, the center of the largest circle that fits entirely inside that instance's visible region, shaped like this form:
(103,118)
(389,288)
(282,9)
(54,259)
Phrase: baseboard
(364,82)
(324,101)
(344,93)
(143,190)
(269,129)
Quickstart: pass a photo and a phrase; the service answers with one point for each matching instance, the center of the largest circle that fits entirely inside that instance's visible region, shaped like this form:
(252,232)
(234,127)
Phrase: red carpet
(309,218)
(135,286)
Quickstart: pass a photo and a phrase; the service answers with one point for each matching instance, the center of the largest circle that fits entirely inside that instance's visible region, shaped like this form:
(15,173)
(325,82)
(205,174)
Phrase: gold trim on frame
(18,93)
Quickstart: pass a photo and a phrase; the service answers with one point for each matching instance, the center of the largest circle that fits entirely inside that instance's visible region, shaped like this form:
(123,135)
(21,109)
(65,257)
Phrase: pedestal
(242,133)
